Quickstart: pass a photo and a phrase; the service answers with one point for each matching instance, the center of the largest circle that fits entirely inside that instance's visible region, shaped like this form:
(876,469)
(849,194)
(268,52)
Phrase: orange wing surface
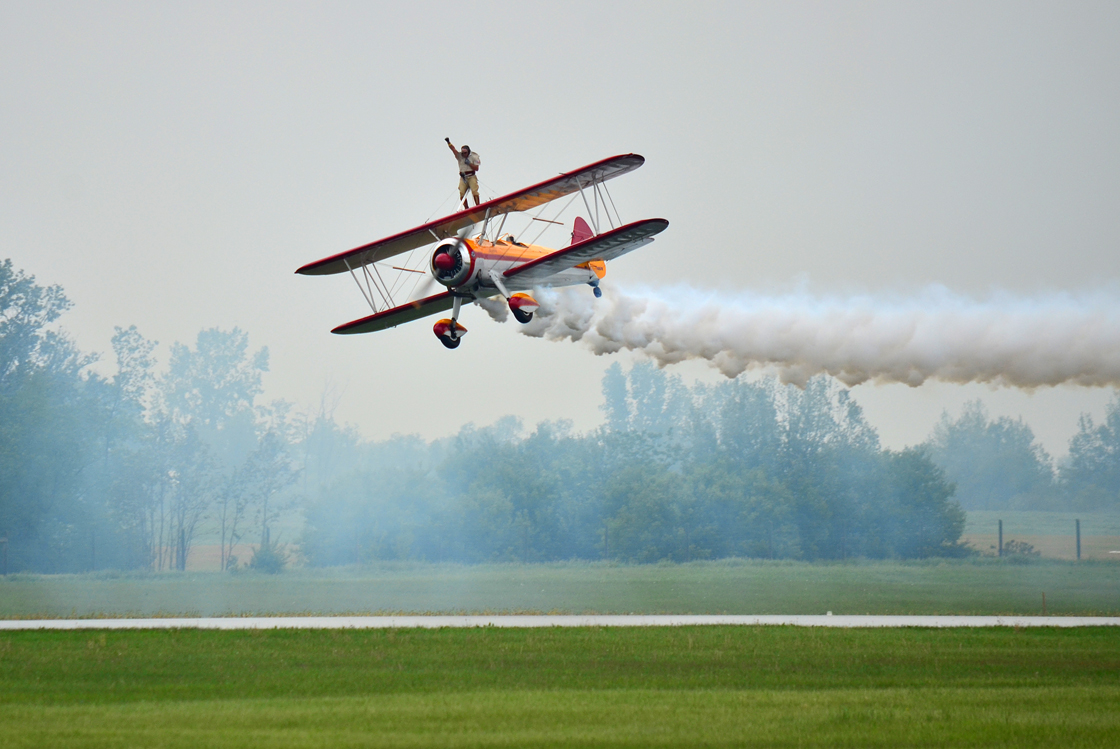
(391,318)
(606,246)
(522,200)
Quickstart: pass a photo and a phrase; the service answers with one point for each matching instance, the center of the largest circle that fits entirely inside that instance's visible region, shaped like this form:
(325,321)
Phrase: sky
(170,165)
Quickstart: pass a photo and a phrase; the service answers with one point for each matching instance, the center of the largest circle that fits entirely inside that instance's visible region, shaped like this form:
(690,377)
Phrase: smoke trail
(495,307)
(1005,340)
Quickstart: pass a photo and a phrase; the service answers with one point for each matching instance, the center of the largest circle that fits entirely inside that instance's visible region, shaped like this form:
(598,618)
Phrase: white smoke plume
(1003,340)
(495,307)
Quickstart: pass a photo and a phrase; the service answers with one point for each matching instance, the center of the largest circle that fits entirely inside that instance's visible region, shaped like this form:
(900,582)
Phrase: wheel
(450,342)
(521,317)
(598,292)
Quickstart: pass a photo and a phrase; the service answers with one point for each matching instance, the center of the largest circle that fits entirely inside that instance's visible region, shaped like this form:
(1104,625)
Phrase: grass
(979,586)
(689,686)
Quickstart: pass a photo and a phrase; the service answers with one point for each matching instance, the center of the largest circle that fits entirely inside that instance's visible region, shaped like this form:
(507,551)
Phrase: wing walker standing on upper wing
(469,162)
(491,263)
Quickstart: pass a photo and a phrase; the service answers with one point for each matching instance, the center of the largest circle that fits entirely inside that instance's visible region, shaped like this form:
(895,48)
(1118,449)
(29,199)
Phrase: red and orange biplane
(492,263)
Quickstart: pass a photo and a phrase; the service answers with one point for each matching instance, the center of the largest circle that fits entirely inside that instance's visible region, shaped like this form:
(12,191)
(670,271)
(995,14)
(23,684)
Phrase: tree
(995,464)
(828,462)
(215,382)
(47,409)
(615,404)
(918,518)
(749,430)
(193,480)
(1090,477)
(25,310)
(118,434)
(644,513)
(211,391)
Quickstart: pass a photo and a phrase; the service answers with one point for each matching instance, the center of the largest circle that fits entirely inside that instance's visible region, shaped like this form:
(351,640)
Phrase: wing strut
(617,215)
(388,291)
(593,215)
(371,283)
(366,294)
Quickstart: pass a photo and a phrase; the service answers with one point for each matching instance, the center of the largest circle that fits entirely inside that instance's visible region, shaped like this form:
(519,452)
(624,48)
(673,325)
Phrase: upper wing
(391,318)
(606,246)
(522,200)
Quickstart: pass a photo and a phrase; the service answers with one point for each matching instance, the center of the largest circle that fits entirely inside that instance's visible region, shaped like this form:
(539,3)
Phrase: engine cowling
(452,262)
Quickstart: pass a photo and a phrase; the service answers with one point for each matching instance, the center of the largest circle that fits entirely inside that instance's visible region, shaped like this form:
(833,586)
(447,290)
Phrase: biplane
(473,267)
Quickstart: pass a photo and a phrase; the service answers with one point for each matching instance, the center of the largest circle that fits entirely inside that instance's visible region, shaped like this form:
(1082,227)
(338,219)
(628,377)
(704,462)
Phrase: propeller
(461,235)
(425,287)
(443,261)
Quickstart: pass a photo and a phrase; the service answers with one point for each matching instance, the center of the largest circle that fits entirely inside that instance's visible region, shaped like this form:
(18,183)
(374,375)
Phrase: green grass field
(689,686)
(981,586)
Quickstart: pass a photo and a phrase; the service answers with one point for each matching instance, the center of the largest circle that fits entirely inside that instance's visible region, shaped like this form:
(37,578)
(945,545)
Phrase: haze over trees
(678,473)
(130,471)
(995,463)
(125,471)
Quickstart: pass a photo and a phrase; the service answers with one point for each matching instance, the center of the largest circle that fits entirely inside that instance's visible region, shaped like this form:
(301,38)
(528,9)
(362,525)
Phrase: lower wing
(391,318)
(606,246)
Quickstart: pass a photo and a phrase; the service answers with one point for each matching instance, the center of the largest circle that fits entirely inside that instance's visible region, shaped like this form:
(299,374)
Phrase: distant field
(981,586)
(688,686)
(1052,534)
(1043,523)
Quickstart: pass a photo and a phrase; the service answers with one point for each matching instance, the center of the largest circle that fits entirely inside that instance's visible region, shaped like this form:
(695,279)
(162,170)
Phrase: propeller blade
(461,235)
(425,288)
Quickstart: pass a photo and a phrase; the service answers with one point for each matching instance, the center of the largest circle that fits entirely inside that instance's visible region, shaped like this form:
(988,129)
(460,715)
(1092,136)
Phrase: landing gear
(521,304)
(449,332)
(595,288)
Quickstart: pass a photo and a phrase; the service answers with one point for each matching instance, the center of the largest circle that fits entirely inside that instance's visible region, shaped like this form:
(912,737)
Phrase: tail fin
(581,232)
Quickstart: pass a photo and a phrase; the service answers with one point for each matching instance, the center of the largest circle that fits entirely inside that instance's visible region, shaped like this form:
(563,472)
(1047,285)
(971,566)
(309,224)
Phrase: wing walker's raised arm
(522,200)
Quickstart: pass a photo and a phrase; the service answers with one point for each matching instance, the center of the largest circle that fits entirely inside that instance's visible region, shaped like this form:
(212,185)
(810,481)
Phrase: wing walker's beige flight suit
(468,165)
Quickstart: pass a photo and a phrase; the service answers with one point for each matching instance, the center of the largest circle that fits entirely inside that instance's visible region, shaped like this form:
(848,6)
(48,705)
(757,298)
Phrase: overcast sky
(170,165)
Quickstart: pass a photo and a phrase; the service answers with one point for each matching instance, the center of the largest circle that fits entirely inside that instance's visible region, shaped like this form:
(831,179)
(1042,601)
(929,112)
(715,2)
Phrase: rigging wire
(490,194)
(564,208)
(440,206)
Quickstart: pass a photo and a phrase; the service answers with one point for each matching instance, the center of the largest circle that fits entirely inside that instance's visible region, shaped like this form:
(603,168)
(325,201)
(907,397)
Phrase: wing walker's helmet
(465,150)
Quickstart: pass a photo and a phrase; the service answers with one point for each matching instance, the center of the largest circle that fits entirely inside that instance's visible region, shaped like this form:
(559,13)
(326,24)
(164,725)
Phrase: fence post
(1078,522)
(1001,538)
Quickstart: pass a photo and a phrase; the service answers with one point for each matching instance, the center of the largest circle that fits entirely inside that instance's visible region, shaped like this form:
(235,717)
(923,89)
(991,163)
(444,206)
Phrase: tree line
(128,471)
(677,473)
(125,471)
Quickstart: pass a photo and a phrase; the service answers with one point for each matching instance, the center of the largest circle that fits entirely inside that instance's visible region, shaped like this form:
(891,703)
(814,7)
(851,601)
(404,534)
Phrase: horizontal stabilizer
(606,246)
(391,318)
